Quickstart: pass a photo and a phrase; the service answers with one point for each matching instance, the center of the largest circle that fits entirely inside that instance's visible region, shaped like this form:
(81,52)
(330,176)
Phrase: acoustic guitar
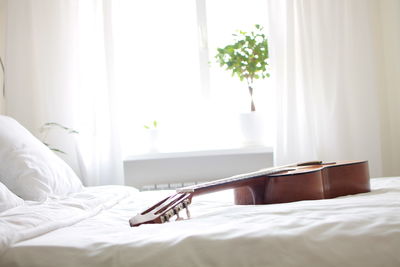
(304,181)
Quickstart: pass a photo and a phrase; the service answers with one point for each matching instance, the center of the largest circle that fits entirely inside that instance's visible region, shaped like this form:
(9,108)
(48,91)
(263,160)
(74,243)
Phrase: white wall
(2,50)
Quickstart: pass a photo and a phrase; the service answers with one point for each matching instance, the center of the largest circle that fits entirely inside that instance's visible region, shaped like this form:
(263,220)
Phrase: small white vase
(252,127)
(153,136)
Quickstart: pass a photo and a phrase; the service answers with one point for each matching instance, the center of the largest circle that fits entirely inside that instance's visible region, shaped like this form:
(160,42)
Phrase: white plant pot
(252,127)
(153,136)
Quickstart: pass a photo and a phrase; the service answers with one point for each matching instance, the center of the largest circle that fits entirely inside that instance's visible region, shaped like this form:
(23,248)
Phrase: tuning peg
(187,213)
(185,205)
(176,211)
(178,218)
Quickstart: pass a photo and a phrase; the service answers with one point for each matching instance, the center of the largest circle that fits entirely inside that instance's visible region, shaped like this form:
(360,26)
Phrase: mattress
(91,228)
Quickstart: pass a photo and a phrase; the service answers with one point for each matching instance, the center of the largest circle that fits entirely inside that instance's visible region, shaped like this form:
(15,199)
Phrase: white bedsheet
(91,229)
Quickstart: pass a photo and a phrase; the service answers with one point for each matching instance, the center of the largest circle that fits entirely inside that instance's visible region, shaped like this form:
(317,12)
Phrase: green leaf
(58,150)
(58,125)
(247,56)
(50,125)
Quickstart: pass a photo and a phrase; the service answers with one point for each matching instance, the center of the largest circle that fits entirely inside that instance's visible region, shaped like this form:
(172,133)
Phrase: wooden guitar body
(307,183)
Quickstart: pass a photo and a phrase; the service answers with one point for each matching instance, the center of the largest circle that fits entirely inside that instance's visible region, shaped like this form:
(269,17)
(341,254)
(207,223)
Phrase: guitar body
(307,183)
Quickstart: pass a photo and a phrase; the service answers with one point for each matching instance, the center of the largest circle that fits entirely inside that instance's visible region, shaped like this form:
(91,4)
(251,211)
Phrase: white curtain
(59,69)
(335,64)
(107,67)
(337,78)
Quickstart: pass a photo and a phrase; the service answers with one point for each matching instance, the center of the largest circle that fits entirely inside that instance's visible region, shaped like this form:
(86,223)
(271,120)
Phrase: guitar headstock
(163,210)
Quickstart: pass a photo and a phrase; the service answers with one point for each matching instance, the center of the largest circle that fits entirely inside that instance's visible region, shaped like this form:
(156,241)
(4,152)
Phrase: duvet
(91,228)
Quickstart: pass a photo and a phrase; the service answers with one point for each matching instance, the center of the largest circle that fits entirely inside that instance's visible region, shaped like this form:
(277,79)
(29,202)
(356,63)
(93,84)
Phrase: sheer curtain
(102,67)
(107,67)
(59,69)
(337,82)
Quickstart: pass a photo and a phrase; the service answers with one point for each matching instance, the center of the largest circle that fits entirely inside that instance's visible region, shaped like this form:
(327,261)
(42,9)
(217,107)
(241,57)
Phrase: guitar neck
(240,180)
(231,182)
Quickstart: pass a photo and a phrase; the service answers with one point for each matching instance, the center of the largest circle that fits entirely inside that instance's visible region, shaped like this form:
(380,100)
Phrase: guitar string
(259,173)
(235,178)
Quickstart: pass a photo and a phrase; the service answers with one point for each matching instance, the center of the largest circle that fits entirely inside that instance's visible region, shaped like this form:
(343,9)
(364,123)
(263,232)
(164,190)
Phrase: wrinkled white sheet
(91,229)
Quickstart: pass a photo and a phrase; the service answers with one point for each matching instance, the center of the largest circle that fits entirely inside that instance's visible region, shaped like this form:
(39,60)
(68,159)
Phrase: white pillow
(8,200)
(29,168)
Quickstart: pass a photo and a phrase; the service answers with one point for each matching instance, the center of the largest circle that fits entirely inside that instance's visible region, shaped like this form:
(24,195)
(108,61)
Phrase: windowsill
(201,153)
(180,168)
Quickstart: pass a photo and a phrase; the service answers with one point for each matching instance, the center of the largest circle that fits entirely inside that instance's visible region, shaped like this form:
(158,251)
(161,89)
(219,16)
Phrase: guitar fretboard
(235,178)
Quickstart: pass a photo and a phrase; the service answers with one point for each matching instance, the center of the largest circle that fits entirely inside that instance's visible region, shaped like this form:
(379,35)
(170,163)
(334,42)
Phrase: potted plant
(153,136)
(45,129)
(247,59)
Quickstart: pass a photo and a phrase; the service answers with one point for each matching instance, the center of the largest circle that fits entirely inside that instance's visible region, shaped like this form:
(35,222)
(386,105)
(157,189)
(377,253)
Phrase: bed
(90,228)
(46,224)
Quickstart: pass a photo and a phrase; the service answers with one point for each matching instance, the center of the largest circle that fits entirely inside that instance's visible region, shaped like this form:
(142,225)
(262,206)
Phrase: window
(165,71)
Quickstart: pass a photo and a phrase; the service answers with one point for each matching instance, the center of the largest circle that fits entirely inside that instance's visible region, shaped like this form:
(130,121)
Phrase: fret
(246,176)
(235,178)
